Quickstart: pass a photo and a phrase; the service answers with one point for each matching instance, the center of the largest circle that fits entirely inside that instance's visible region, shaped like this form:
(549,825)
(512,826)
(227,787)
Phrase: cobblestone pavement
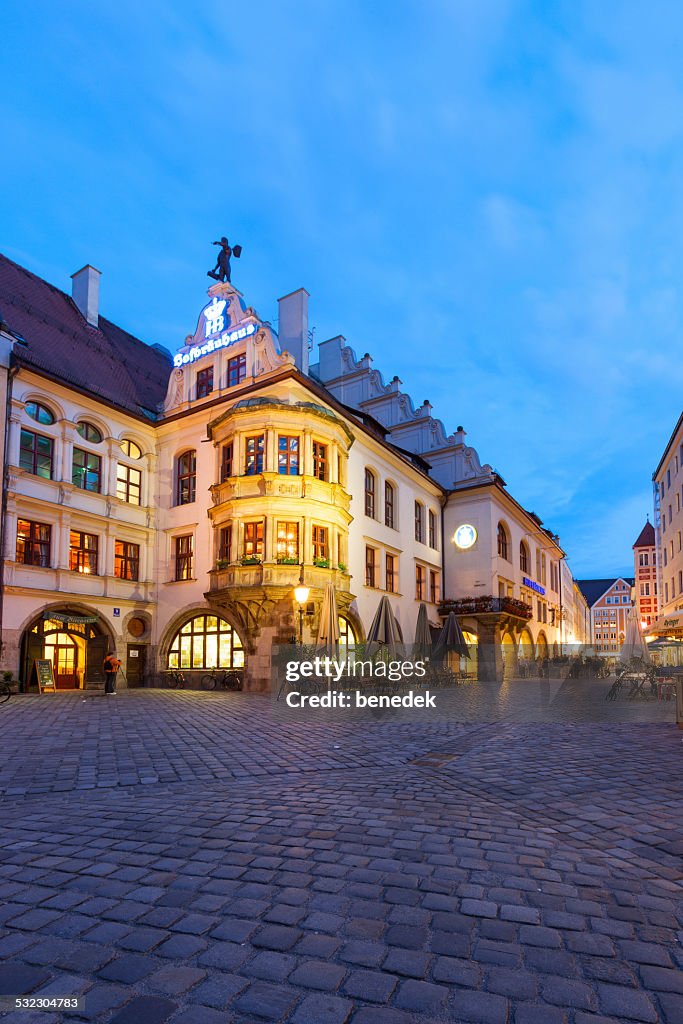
(194,859)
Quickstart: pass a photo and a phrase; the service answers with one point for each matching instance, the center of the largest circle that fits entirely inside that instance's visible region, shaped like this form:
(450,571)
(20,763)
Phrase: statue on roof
(221,272)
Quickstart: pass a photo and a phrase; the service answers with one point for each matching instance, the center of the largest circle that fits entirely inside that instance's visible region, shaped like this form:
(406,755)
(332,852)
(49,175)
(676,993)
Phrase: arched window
(89,432)
(130,449)
(186,478)
(39,413)
(206,641)
(503,546)
(523,557)
(389,505)
(370,491)
(347,635)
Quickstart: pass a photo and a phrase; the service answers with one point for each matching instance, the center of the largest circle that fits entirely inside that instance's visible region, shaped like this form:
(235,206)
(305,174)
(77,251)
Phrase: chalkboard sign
(44,674)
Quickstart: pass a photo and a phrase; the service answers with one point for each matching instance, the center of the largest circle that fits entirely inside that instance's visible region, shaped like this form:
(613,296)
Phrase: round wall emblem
(465,536)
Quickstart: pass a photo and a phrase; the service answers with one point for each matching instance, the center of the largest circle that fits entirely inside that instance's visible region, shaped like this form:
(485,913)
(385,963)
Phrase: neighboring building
(610,603)
(162,507)
(645,572)
(576,618)
(667,482)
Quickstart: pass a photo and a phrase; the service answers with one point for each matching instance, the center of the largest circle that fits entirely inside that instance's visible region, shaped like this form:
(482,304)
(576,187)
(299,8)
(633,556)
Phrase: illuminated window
(205,642)
(83,552)
(319,460)
(128,483)
(391,574)
(420,582)
(33,543)
(253,540)
(126,560)
(320,548)
(370,567)
(287,543)
(347,635)
(183,556)
(131,449)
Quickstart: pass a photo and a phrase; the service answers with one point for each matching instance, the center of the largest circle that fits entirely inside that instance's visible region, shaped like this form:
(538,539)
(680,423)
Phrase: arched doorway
(542,646)
(74,642)
(509,657)
(527,653)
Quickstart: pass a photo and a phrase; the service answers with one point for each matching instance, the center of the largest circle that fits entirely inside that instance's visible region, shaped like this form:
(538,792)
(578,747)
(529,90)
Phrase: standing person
(111,667)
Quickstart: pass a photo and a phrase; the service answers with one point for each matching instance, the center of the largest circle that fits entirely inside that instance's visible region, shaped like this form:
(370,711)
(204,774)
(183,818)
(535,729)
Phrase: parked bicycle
(175,680)
(5,692)
(228,679)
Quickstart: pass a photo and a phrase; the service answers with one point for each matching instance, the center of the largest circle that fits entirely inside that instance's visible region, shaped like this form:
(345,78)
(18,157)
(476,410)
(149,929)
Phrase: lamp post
(301,594)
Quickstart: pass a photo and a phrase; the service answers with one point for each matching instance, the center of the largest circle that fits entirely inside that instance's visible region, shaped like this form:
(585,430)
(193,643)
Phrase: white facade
(251,468)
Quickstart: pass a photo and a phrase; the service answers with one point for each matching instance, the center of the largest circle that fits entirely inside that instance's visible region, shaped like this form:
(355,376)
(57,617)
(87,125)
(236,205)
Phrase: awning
(667,625)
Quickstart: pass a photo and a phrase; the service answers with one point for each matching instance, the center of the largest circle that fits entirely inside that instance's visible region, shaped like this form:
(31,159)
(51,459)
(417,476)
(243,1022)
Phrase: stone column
(307,453)
(489,654)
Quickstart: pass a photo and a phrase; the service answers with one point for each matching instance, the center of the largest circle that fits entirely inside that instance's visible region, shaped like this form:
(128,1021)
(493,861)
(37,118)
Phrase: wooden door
(135,665)
(63,653)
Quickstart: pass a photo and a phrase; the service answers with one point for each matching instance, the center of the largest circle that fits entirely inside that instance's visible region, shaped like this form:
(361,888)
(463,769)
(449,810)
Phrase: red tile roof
(104,361)
(646,537)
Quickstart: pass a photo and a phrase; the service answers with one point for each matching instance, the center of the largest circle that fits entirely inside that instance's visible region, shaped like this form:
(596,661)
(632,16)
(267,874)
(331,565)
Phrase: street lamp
(301,594)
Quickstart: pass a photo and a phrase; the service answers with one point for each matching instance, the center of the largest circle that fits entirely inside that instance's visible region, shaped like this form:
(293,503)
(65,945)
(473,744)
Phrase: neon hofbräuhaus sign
(219,327)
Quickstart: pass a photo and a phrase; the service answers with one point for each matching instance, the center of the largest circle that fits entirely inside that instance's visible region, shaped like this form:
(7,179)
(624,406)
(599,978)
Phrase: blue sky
(487,196)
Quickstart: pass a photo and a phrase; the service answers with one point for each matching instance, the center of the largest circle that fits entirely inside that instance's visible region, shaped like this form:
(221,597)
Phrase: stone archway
(509,650)
(75,639)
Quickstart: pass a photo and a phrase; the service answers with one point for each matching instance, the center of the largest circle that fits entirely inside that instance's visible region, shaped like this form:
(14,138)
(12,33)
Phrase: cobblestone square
(190,857)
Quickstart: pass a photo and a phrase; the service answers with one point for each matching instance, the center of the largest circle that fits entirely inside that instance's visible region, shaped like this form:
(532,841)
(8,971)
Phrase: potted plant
(322,563)
(342,567)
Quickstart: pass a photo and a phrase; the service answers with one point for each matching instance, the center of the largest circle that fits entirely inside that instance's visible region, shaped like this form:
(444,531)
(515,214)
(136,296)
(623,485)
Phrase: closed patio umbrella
(634,645)
(384,630)
(328,629)
(451,638)
(423,634)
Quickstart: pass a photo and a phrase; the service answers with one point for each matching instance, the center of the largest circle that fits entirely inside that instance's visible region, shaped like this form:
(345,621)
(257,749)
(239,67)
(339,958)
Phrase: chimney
(85,291)
(293,326)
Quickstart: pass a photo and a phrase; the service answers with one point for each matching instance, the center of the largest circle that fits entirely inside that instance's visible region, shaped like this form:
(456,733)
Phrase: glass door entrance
(62,651)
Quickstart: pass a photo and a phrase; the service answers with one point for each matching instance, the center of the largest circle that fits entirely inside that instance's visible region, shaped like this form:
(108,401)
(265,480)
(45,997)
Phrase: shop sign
(533,586)
(226,339)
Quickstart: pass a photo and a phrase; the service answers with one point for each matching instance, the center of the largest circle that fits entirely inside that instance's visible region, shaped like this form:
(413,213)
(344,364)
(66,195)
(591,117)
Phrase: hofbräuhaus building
(163,506)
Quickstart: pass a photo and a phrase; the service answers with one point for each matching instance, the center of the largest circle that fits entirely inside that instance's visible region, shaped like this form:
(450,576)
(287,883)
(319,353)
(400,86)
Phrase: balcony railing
(276,574)
(488,605)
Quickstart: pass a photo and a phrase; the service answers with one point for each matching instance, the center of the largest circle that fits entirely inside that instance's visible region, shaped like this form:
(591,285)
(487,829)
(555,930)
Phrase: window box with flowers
(321,563)
(222,563)
(284,560)
(251,560)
